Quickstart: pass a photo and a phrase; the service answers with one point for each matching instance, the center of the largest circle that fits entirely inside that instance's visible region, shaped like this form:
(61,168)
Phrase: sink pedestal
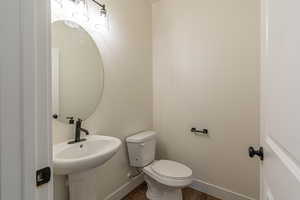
(83,185)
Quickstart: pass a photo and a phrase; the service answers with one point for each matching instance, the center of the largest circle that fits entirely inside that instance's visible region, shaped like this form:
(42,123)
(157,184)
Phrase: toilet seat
(158,171)
(171,169)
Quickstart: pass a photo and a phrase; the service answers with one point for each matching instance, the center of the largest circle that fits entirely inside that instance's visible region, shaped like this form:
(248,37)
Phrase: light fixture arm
(99,4)
(103,7)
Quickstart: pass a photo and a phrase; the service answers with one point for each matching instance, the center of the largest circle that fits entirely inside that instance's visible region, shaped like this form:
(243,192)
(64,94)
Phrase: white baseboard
(125,189)
(217,191)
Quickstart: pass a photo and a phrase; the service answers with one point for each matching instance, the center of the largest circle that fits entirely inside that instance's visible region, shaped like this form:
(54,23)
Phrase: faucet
(78,131)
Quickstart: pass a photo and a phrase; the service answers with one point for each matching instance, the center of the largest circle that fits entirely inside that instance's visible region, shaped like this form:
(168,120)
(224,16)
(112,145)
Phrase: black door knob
(259,152)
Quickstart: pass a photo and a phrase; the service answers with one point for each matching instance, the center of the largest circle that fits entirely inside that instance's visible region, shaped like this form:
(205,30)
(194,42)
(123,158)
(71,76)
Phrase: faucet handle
(71,120)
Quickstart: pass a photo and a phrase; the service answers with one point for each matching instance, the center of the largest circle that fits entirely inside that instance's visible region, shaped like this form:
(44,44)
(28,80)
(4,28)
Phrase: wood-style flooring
(188,194)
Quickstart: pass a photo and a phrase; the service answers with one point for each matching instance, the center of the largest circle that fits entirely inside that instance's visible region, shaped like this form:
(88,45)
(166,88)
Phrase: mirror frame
(96,37)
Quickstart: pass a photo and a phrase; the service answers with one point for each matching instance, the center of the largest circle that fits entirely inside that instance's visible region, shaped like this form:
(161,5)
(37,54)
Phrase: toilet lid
(171,169)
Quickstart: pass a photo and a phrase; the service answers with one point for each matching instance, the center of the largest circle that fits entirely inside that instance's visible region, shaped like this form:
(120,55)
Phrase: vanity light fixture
(59,2)
(90,13)
(102,10)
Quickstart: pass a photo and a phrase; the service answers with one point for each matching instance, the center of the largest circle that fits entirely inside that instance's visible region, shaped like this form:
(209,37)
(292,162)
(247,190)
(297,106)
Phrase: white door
(25,117)
(280,95)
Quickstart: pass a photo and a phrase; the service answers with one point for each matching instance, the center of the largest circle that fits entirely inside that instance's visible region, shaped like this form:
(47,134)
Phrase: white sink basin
(82,156)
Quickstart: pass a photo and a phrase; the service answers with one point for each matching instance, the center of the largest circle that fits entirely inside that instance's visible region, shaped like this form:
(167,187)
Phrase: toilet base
(158,191)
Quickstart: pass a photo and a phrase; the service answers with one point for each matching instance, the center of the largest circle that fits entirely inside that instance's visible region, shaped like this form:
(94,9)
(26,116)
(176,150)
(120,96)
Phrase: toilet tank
(141,148)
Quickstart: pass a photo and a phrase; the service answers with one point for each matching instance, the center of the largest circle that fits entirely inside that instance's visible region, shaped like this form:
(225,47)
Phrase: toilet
(164,178)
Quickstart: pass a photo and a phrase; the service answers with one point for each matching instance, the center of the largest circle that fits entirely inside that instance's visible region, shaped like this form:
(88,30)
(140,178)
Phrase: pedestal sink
(79,161)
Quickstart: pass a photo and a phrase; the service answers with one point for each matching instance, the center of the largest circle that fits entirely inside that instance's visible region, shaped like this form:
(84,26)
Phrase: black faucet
(78,131)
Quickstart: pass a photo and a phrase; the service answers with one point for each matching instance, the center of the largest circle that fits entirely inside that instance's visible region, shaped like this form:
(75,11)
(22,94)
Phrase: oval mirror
(77,72)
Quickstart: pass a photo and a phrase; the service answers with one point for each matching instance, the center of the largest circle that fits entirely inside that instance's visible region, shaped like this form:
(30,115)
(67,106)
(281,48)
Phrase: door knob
(259,152)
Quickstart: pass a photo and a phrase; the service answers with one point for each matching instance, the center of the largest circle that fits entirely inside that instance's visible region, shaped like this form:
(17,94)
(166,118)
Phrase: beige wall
(206,74)
(126,105)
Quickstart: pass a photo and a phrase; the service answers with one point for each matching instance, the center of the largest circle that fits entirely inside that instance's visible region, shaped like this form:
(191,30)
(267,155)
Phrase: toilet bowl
(164,178)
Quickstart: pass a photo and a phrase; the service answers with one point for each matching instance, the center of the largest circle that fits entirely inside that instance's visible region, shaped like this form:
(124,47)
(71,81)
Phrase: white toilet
(164,178)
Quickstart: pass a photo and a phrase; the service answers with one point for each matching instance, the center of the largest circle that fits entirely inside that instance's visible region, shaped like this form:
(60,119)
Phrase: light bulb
(57,5)
(80,12)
